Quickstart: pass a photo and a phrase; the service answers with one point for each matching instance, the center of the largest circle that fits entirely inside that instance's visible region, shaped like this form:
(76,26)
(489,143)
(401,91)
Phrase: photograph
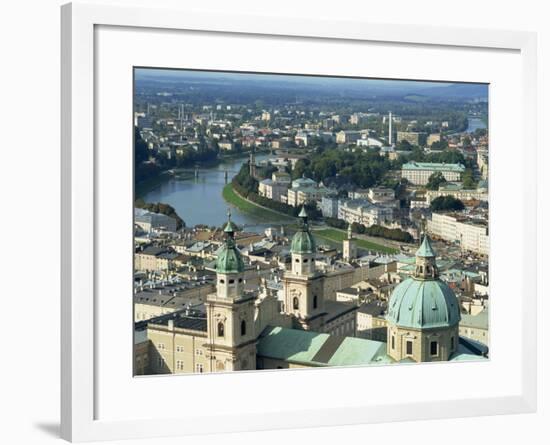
(286,221)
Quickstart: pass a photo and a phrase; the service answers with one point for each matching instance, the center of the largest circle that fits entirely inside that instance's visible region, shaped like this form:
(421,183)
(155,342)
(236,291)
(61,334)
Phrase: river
(475,123)
(199,200)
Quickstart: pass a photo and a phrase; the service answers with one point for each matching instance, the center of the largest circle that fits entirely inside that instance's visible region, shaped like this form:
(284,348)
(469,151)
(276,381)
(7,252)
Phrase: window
(179,348)
(315,302)
(297,260)
(452,342)
(199,367)
(295,303)
(198,351)
(160,362)
(409,347)
(243,328)
(305,260)
(231,281)
(240,280)
(161,346)
(220,329)
(433,348)
(393,341)
(179,365)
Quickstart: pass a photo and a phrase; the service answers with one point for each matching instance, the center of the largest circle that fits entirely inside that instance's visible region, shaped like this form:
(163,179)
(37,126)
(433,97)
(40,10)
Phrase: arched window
(222,281)
(315,302)
(221,329)
(243,328)
(295,303)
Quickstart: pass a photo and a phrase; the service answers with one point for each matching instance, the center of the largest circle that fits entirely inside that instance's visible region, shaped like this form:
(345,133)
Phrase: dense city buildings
(358,232)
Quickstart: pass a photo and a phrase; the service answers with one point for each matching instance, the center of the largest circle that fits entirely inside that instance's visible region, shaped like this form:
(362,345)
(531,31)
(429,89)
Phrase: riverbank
(232,197)
(338,235)
(143,187)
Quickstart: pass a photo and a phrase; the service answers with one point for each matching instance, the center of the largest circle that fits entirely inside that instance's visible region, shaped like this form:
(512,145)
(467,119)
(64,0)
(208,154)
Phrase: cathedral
(248,330)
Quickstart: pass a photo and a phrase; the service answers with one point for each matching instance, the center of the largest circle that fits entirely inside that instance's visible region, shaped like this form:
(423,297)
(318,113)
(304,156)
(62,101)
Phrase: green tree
(447,202)
(468,180)
(435,180)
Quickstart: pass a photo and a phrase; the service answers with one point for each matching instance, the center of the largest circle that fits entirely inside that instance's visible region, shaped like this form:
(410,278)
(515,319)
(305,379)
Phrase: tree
(300,169)
(141,152)
(435,180)
(160,207)
(440,145)
(447,202)
(468,180)
(404,145)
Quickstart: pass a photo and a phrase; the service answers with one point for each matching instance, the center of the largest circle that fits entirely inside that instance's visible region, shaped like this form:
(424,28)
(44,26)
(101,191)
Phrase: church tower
(423,313)
(230,311)
(252,164)
(303,284)
(349,249)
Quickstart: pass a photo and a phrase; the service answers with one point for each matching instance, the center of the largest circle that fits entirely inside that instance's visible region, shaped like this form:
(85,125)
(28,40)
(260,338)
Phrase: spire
(426,250)
(426,266)
(303,242)
(303,215)
(229,257)
(230,227)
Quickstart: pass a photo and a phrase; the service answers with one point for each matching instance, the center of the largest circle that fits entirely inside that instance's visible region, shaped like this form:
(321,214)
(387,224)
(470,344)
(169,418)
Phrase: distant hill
(457,90)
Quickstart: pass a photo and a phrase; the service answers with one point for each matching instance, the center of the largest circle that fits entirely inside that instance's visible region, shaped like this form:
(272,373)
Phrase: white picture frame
(80,418)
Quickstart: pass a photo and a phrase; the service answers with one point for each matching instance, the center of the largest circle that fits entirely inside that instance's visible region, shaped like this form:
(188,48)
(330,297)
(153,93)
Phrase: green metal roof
(358,351)
(420,304)
(230,259)
(319,349)
(230,227)
(302,241)
(457,168)
(426,250)
(290,344)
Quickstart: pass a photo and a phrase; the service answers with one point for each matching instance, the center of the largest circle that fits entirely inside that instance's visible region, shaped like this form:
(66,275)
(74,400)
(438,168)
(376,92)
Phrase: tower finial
(230,227)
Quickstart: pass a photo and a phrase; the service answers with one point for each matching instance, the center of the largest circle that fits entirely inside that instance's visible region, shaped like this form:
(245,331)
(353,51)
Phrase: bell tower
(423,313)
(230,311)
(303,283)
(349,249)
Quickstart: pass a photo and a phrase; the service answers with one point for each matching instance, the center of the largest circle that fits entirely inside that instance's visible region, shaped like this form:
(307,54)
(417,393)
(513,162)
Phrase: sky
(387,85)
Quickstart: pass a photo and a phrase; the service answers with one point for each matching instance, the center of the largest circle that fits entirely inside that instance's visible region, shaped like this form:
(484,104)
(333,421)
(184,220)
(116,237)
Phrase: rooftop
(458,168)
(317,349)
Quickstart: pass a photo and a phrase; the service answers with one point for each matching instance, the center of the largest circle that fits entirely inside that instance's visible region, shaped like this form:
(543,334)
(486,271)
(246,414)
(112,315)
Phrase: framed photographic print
(302,219)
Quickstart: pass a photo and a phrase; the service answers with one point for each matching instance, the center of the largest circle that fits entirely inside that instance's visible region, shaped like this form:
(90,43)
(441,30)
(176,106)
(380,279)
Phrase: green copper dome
(230,259)
(303,241)
(422,304)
